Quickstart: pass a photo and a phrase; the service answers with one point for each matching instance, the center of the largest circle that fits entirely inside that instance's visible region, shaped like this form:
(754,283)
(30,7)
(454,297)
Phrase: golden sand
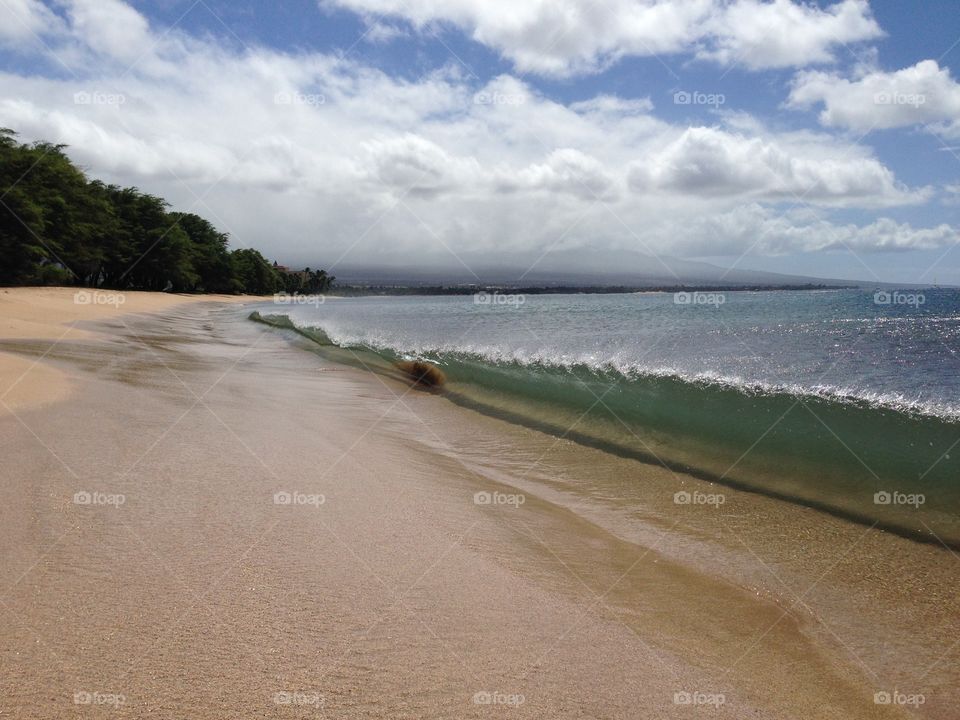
(209,527)
(53,312)
(56,314)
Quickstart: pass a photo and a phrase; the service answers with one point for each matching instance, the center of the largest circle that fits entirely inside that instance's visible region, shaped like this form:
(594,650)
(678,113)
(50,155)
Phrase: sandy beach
(54,314)
(202,517)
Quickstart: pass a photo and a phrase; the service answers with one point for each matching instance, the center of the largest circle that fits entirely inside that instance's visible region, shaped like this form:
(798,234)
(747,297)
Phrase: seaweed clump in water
(423,373)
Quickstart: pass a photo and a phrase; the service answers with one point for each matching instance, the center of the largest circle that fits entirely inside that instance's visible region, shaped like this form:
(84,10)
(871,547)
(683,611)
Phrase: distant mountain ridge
(593,269)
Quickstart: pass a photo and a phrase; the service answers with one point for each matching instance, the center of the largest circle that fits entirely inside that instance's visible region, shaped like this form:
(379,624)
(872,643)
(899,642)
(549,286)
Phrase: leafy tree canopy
(57,227)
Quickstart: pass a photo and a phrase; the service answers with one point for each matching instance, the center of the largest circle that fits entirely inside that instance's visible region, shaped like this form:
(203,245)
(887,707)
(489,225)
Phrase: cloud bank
(314,157)
(566,37)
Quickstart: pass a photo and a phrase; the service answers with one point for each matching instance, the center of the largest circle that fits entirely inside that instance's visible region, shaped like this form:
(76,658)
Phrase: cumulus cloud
(767,232)
(412,164)
(924,94)
(317,158)
(715,163)
(567,171)
(778,34)
(564,37)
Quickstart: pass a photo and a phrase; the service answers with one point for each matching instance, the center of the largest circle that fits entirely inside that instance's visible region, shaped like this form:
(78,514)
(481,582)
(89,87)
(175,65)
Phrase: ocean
(845,401)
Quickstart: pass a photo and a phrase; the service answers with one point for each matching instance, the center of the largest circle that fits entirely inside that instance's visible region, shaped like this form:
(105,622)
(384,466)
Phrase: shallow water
(825,399)
(875,603)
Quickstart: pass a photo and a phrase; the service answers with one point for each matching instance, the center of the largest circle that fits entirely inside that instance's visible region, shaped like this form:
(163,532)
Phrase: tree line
(58,227)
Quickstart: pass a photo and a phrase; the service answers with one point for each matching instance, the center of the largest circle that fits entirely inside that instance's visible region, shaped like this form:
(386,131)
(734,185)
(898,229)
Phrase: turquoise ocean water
(845,401)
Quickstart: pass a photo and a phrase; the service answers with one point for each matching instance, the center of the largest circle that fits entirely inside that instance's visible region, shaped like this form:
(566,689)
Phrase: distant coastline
(374,290)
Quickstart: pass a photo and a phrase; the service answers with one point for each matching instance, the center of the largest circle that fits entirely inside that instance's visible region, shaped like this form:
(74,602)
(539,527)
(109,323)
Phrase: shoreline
(671,421)
(872,589)
(399,596)
(32,314)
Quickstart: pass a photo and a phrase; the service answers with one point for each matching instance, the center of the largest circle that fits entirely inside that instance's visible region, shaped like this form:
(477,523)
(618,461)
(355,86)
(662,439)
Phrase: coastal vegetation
(59,227)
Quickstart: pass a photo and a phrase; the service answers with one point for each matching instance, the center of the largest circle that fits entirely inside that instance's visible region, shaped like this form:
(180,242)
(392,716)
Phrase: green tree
(253,274)
(59,227)
(208,252)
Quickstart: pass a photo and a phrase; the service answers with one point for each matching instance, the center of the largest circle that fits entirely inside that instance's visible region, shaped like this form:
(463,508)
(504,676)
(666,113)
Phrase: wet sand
(54,313)
(216,522)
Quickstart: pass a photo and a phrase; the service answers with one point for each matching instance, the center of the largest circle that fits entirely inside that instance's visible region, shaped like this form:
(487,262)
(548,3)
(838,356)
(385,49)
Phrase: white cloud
(566,171)
(924,94)
(767,232)
(381,32)
(714,163)
(21,20)
(412,164)
(564,37)
(312,158)
(111,28)
(951,195)
(783,33)
(612,105)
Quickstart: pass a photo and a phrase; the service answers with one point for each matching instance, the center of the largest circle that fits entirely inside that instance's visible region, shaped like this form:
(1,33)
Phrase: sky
(817,138)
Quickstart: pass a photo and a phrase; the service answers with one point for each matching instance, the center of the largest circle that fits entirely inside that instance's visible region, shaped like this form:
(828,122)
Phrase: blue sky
(819,138)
